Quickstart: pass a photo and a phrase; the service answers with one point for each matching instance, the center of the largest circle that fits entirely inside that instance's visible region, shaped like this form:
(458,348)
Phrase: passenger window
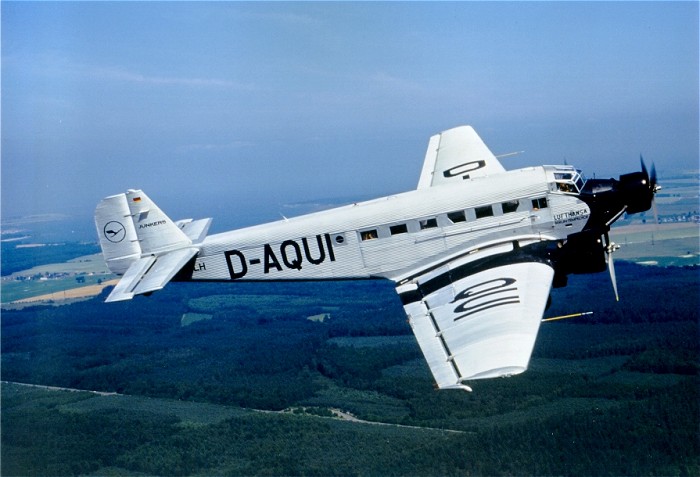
(398,229)
(485,211)
(456,217)
(540,203)
(510,206)
(368,234)
(428,223)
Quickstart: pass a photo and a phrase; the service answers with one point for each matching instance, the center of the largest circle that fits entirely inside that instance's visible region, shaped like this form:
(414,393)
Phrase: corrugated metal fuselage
(388,237)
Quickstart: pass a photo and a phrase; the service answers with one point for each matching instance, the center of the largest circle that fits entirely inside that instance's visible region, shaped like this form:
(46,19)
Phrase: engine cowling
(637,191)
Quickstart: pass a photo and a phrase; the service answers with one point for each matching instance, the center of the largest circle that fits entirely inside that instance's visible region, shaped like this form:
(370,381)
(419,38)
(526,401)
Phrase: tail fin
(131,225)
(155,231)
(141,243)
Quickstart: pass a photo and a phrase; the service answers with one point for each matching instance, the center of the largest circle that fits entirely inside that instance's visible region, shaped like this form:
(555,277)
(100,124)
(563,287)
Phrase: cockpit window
(570,182)
(565,187)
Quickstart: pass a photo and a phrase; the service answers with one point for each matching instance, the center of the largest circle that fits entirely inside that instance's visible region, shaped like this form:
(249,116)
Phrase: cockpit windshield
(568,179)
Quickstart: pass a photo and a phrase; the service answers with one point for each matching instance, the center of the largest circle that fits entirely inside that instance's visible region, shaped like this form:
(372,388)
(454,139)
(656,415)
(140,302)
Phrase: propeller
(653,186)
(651,177)
(610,248)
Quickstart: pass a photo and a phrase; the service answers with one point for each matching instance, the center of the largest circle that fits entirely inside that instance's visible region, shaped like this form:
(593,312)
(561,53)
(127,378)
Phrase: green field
(90,268)
(19,290)
(84,264)
(663,244)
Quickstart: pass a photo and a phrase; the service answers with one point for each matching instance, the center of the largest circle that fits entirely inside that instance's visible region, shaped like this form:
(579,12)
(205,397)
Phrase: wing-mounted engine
(582,253)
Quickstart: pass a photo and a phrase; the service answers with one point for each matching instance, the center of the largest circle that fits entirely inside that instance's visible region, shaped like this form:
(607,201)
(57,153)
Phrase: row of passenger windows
(455,217)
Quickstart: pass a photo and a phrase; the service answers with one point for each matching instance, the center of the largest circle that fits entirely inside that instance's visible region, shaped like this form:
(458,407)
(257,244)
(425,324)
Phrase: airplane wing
(455,155)
(150,273)
(477,322)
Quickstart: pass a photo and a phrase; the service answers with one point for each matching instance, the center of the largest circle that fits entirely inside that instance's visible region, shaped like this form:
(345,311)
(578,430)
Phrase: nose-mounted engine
(610,198)
(638,188)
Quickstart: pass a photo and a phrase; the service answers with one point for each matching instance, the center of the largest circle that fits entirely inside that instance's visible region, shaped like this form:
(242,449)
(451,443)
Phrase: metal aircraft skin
(474,250)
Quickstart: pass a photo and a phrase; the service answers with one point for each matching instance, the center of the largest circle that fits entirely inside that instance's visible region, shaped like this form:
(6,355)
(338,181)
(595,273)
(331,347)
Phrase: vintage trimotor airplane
(473,251)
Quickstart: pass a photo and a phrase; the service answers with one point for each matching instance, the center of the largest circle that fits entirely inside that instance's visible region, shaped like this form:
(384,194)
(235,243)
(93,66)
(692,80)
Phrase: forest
(234,379)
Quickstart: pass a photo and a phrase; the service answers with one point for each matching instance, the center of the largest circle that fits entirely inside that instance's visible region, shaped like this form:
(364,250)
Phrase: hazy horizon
(231,109)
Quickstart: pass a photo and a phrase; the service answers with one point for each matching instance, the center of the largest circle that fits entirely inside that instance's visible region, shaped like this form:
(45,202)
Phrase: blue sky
(234,109)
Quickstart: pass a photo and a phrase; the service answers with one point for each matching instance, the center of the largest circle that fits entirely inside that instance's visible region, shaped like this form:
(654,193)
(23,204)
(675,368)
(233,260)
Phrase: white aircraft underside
(473,250)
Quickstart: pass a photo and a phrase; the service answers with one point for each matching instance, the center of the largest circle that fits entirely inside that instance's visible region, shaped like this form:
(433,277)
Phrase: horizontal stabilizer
(123,290)
(195,230)
(151,273)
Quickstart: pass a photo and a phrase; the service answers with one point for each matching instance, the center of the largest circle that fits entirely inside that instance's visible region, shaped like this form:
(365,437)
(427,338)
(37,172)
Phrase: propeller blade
(609,249)
(611,269)
(653,186)
(654,189)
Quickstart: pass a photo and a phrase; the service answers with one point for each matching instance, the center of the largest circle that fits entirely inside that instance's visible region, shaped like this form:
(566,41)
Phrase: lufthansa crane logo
(114,231)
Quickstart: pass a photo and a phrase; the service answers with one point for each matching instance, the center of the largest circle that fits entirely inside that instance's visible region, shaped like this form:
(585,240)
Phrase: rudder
(118,239)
